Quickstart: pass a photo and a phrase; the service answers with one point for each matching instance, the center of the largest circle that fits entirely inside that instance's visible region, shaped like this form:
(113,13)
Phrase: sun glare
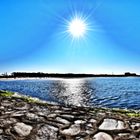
(77,28)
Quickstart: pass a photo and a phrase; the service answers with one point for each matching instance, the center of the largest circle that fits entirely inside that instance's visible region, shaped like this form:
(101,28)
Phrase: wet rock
(102,136)
(47,132)
(22,129)
(111,124)
(72,130)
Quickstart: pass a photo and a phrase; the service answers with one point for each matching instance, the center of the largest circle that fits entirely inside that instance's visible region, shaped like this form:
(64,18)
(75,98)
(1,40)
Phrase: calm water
(106,92)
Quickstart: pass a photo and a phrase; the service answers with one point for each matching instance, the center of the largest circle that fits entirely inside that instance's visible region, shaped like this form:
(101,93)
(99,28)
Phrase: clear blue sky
(32,38)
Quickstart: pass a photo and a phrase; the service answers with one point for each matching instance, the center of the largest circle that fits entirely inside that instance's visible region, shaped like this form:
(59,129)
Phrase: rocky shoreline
(27,119)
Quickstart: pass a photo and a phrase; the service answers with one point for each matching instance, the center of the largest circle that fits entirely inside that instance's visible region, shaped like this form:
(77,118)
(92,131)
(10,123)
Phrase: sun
(77,27)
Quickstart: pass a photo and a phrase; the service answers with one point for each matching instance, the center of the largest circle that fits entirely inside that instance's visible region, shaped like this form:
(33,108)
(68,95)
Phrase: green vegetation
(24,98)
(127,113)
(33,100)
(133,114)
(6,93)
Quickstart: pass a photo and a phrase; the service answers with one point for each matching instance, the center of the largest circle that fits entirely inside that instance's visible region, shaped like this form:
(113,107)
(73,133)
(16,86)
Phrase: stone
(80,122)
(21,106)
(135,126)
(6,122)
(40,113)
(92,121)
(51,115)
(47,132)
(63,121)
(112,124)
(18,114)
(102,136)
(1,107)
(58,111)
(22,129)
(89,125)
(32,116)
(126,135)
(90,131)
(72,130)
(1,131)
(6,103)
(68,116)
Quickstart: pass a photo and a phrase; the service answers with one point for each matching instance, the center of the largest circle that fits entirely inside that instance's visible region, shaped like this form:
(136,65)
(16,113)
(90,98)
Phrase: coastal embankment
(25,118)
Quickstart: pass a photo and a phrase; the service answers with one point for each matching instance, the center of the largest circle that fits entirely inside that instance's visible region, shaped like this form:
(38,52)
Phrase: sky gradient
(33,36)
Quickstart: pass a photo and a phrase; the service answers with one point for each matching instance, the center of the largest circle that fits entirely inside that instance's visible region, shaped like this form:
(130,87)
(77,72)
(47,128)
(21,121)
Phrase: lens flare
(77,28)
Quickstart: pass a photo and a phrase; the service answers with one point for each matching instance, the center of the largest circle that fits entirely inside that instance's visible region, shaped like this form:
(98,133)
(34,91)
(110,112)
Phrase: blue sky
(32,38)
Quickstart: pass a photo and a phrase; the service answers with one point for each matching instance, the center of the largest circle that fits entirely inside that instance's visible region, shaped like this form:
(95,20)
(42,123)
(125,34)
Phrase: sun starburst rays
(77,27)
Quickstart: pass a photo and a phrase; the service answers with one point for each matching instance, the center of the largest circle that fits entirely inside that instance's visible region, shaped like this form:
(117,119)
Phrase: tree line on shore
(58,75)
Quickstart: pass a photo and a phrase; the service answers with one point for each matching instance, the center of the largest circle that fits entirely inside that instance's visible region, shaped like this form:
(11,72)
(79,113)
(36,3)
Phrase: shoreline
(24,117)
(37,100)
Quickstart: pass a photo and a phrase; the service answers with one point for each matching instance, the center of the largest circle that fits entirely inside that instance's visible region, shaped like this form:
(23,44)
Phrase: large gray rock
(7,122)
(112,124)
(102,136)
(72,130)
(135,125)
(22,129)
(62,120)
(47,132)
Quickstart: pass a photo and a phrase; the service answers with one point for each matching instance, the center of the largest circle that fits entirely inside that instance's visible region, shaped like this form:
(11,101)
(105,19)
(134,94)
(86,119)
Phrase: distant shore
(63,75)
(67,75)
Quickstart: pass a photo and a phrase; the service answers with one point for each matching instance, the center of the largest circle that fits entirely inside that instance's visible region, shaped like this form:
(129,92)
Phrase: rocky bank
(25,119)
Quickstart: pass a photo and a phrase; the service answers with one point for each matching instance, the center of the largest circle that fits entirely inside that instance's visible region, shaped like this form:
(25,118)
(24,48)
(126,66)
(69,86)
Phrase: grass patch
(24,98)
(129,113)
(6,93)
(133,114)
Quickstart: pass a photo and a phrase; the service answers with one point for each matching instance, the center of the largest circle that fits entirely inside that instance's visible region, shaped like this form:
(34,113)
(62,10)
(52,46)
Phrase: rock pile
(21,120)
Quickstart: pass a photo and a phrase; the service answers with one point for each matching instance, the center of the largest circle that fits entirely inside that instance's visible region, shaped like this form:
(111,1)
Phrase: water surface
(104,92)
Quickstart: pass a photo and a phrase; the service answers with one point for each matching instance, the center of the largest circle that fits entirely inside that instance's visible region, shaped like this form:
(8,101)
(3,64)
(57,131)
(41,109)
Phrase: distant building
(130,74)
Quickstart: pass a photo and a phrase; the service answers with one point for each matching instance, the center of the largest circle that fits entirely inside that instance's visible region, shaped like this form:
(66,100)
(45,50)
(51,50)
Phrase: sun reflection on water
(72,91)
